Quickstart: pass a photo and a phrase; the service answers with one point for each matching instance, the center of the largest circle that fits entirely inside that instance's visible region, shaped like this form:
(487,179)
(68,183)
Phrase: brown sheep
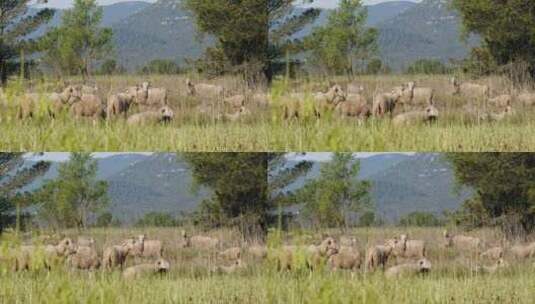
(89,106)
(346,258)
(115,256)
(85,257)
(429,114)
(317,254)
(377,256)
(385,103)
(138,271)
(523,251)
(354,106)
(409,249)
(501,101)
(494,253)
(328,101)
(119,104)
(422,266)
(164,114)
(203,90)
(258,251)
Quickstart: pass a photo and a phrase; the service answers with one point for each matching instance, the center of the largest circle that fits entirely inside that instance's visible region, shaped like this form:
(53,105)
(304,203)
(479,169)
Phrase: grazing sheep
(523,251)
(328,101)
(119,104)
(463,243)
(526,99)
(494,253)
(501,101)
(54,102)
(346,258)
(354,106)
(89,106)
(470,90)
(204,242)
(138,271)
(423,96)
(164,114)
(422,266)
(409,249)
(52,254)
(115,256)
(385,103)
(85,257)
(258,251)
(236,101)
(204,90)
(428,115)
(235,266)
(231,254)
(153,248)
(316,255)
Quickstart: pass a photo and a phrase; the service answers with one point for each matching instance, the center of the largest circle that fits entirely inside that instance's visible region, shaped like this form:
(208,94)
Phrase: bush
(157,219)
(420,219)
(111,67)
(161,66)
(428,67)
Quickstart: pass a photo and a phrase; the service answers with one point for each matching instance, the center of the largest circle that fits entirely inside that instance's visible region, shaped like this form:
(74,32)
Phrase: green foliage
(157,219)
(111,67)
(74,47)
(14,176)
(505,41)
(161,66)
(239,185)
(420,219)
(369,219)
(428,67)
(344,44)
(505,188)
(329,200)
(15,26)
(375,66)
(75,196)
(106,219)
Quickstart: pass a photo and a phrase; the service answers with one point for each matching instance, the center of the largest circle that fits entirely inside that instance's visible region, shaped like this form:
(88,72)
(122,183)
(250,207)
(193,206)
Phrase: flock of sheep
(353,103)
(85,101)
(410,255)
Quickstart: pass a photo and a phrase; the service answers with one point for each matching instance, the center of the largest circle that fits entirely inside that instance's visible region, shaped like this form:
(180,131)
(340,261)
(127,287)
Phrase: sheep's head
(431,113)
(336,94)
(166,114)
(424,265)
(162,265)
(66,247)
(328,247)
(190,87)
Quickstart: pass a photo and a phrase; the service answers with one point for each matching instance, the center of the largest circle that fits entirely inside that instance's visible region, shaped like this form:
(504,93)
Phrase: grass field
(264,129)
(190,281)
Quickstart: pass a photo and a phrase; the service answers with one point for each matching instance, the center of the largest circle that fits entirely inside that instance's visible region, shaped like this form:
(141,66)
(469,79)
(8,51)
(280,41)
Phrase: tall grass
(264,129)
(191,281)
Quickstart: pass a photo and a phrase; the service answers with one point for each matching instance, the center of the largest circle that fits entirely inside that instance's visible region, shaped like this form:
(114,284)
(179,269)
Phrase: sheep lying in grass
(139,271)
(429,114)
(85,258)
(164,114)
(422,266)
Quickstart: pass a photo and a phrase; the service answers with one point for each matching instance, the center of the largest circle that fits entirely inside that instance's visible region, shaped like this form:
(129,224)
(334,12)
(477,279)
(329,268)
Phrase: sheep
(242,112)
(164,114)
(204,242)
(385,103)
(494,253)
(354,106)
(353,88)
(236,101)
(316,254)
(346,258)
(470,90)
(523,251)
(406,91)
(235,266)
(27,106)
(54,102)
(422,266)
(150,98)
(463,243)
(138,271)
(501,101)
(153,248)
(500,264)
(429,114)
(85,257)
(328,101)
(119,104)
(406,248)
(205,90)
(496,117)
(231,254)
(257,251)
(378,255)
(526,99)
(88,106)
(115,256)
(423,95)
(52,254)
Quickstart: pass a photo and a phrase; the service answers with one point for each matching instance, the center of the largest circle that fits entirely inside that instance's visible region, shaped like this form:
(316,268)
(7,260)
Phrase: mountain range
(164,30)
(162,182)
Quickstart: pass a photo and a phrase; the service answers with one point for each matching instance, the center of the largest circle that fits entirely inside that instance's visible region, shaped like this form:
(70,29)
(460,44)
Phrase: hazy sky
(322,3)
